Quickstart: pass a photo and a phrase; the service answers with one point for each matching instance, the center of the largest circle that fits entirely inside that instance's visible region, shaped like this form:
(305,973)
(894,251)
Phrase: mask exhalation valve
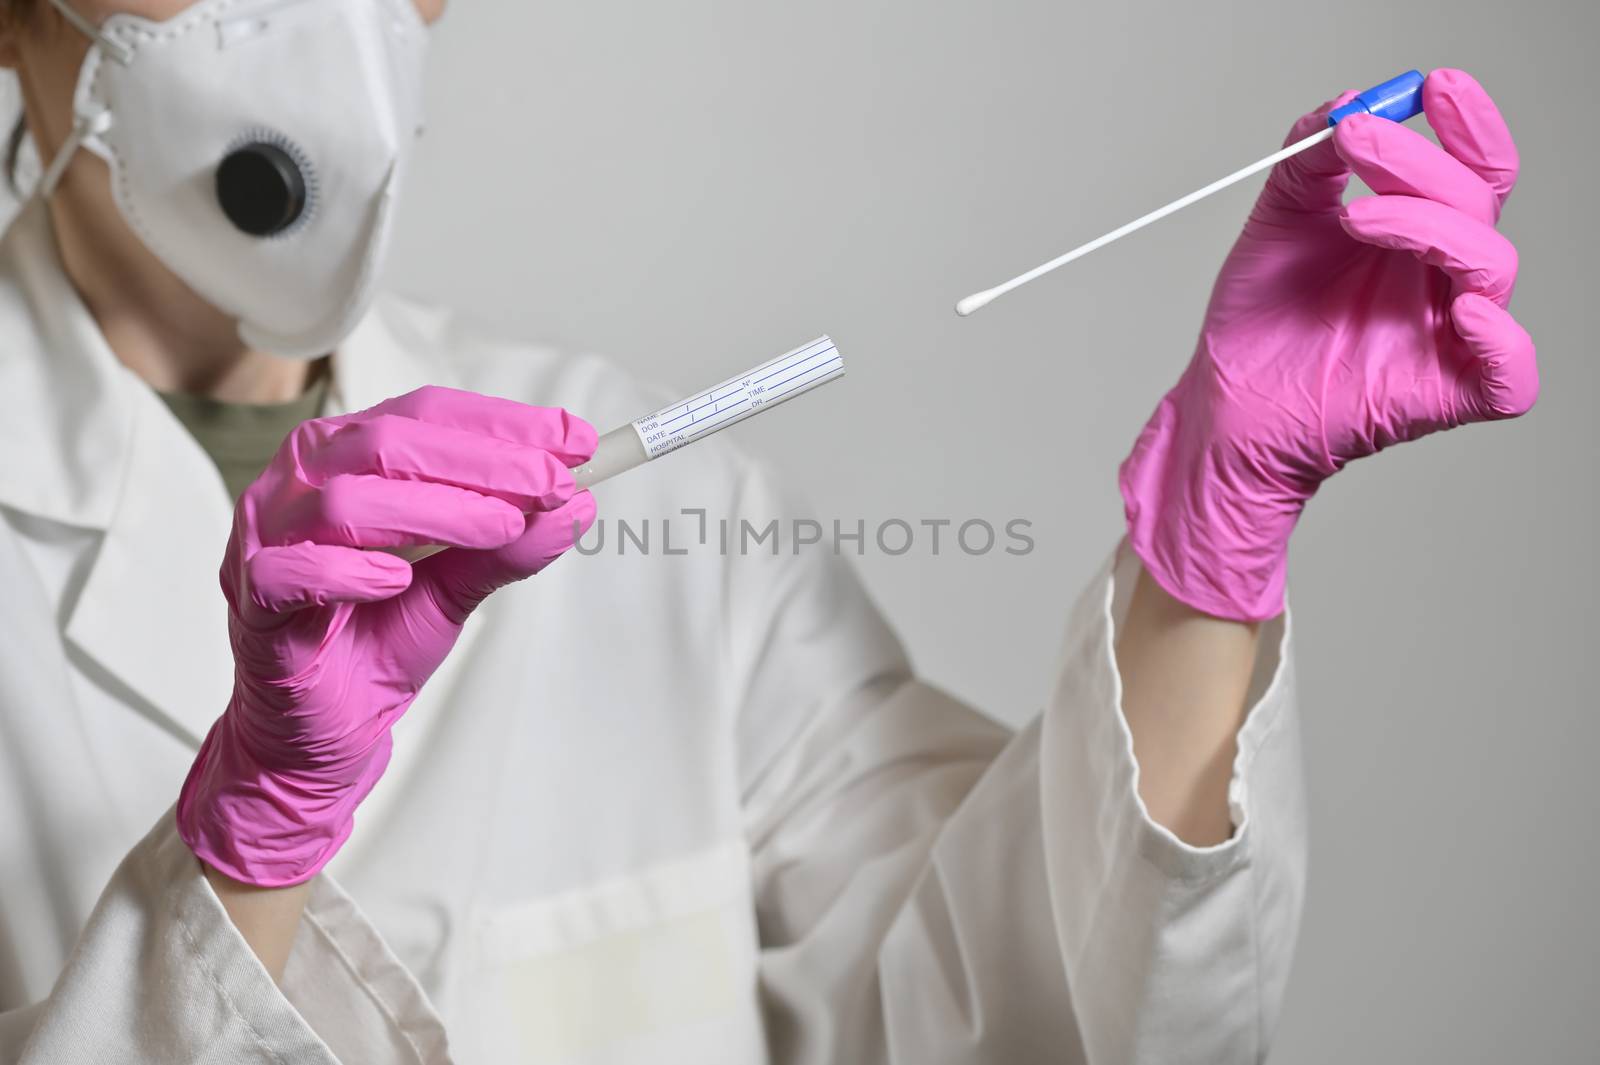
(261,189)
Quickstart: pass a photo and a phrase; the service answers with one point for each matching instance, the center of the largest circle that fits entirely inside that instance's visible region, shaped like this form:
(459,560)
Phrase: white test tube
(708,411)
(712,410)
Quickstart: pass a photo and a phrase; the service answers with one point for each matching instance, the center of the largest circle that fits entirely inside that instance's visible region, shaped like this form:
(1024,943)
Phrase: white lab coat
(653,808)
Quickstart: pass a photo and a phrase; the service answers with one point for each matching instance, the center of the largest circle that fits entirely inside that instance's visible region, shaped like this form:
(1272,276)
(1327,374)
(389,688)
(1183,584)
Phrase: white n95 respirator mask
(257,148)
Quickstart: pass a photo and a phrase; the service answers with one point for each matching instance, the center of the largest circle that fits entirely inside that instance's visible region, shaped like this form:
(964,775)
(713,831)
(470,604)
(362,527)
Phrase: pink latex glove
(331,642)
(1332,333)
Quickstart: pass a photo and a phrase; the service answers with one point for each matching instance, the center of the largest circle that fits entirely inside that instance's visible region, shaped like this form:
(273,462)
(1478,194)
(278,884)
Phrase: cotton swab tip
(976,302)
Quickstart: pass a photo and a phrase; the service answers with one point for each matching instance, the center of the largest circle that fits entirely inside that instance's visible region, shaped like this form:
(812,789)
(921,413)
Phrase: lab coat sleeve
(932,888)
(160,974)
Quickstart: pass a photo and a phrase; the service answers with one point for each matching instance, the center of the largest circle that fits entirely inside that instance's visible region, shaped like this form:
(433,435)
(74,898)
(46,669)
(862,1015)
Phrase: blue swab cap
(1396,99)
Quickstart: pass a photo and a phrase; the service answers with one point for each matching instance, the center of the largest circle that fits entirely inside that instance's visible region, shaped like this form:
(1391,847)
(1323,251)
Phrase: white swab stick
(1398,99)
(978,300)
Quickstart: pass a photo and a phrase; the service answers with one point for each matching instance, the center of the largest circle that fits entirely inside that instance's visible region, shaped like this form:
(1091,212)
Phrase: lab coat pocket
(658,965)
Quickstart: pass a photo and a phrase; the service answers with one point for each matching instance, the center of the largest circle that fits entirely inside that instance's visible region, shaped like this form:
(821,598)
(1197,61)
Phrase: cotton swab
(1397,99)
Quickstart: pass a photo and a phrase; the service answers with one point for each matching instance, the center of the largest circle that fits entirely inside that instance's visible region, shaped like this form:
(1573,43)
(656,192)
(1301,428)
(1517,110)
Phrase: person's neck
(154,323)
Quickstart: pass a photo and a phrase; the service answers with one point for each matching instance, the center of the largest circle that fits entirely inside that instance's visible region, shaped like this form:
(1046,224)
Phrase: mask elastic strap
(109,45)
(83,127)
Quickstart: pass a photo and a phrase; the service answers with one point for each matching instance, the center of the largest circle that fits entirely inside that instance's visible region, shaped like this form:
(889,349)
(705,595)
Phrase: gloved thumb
(1315,179)
(1507,382)
(461,579)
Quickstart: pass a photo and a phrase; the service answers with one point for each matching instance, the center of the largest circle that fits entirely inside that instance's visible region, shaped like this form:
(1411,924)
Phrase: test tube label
(738,398)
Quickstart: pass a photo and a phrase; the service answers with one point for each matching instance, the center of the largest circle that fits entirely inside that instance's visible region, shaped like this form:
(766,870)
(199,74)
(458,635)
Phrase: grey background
(692,187)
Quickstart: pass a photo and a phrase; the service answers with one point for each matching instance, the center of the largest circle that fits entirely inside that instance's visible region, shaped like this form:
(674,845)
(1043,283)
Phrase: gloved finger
(281,579)
(1507,382)
(400,448)
(1471,128)
(362,511)
(1475,255)
(1397,161)
(463,579)
(1315,179)
(563,434)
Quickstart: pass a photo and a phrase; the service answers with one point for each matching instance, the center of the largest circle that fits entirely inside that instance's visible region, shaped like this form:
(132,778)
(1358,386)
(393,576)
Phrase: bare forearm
(267,917)
(1184,679)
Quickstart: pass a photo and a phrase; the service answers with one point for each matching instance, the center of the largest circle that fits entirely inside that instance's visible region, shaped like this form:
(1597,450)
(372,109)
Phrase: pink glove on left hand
(1332,333)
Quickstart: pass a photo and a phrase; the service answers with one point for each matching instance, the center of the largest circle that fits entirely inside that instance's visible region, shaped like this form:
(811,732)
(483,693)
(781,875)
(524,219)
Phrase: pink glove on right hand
(1332,333)
(332,642)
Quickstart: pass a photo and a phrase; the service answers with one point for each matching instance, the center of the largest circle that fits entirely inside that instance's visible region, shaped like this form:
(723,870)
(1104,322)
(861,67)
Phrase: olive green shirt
(241,438)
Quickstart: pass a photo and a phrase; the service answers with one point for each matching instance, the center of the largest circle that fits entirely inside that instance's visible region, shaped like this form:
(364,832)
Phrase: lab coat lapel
(64,419)
(89,445)
(151,614)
